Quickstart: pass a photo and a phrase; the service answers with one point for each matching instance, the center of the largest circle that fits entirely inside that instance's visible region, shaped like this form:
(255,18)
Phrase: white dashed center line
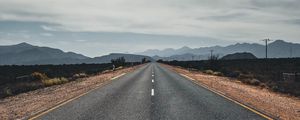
(152,92)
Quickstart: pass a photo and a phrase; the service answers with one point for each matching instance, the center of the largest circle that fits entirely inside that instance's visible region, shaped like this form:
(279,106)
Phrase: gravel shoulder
(279,105)
(27,104)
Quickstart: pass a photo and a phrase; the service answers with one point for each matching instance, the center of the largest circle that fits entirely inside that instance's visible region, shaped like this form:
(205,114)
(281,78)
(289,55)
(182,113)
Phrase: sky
(99,27)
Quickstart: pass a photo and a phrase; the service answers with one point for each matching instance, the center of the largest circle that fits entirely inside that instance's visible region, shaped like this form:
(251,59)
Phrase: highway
(151,93)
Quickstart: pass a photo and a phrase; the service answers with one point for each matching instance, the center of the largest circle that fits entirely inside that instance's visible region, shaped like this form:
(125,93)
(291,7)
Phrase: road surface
(151,93)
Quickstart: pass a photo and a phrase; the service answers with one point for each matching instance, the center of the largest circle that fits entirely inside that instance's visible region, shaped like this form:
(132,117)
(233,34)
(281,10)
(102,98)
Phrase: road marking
(153,80)
(152,75)
(67,101)
(152,92)
(230,99)
(187,76)
(118,76)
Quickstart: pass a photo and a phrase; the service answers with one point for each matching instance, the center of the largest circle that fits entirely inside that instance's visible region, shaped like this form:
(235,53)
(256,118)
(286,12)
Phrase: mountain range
(276,49)
(27,54)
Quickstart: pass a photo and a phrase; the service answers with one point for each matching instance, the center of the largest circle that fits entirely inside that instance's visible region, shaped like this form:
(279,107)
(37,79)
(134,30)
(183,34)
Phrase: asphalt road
(151,93)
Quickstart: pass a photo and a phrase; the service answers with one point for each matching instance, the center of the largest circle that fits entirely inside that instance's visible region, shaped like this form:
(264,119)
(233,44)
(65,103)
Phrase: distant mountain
(26,54)
(108,58)
(183,57)
(167,52)
(277,49)
(239,56)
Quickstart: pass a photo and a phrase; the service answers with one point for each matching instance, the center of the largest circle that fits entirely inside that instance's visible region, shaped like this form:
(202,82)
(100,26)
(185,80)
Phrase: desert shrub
(24,78)
(8,91)
(64,80)
(218,74)
(119,61)
(263,85)
(254,82)
(213,62)
(55,81)
(121,67)
(282,89)
(246,76)
(269,75)
(208,72)
(106,71)
(39,76)
(79,75)
(233,74)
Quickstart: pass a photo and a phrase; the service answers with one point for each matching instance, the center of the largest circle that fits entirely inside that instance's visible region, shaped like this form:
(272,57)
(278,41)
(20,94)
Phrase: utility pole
(266,60)
(266,41)
(291,51)
(211,54)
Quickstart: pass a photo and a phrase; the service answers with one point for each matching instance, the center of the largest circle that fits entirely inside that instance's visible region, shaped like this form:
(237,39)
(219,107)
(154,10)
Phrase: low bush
(233,74)
(15,79)
(254,82)
(218,74)
(55,81)
(246,76)
(208,72)
(79,75)
(39,76)
(106,71)
(121,67)
(8,91)
(263,85)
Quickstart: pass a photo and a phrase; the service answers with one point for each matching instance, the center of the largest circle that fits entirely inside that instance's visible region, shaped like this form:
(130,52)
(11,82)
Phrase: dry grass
(280,105)
(26,104)
(55,81)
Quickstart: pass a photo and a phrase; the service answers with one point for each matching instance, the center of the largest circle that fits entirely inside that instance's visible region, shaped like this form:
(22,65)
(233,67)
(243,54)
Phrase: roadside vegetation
(15,79)
(264,73)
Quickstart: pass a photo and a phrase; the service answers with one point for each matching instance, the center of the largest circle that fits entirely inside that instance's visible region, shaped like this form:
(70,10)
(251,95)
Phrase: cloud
(221,19)
(48,28)
(81,40)
(292,21)
(46,34)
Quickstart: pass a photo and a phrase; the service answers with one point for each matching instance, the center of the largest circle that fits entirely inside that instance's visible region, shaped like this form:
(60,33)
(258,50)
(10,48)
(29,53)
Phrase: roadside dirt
(27,104)
(279,105)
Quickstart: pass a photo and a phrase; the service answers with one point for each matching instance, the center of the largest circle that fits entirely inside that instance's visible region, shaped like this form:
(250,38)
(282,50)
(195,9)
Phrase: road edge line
(118,76)
(59,104)
(252,109)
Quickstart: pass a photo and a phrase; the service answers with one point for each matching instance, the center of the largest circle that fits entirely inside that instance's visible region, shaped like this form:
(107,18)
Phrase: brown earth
(27,104)
(278,105)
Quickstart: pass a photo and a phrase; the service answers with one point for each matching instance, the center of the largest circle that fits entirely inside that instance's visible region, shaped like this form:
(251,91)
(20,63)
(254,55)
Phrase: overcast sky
(98,27)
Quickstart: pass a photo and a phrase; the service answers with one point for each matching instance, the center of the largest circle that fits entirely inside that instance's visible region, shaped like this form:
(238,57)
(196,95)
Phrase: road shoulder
(278,105)
(32,103)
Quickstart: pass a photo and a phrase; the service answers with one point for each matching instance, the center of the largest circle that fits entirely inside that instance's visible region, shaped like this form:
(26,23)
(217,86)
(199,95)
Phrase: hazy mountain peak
(24,44)
(185,48)
(169,49)
(277,49)
(279,42)
(24,53)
